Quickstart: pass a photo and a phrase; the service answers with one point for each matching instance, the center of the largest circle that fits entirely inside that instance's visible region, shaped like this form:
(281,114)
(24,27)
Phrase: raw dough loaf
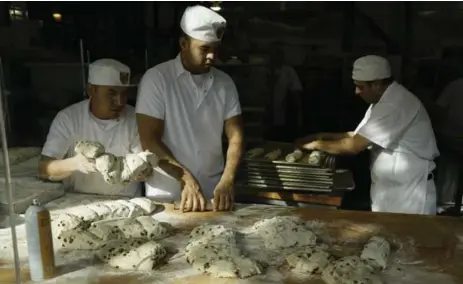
(66,222)
(314,158)
(153,228)
(105,230)
(102,210)
(132,255)
(283,232)
(18,155)
(310,260)
(253,153)
(84,213)
(273,155)
(149,158)
(145,203)
(376,252)
(132,211)
(89,149)
(350,270)
(212,250)
(294,156)
(78,239)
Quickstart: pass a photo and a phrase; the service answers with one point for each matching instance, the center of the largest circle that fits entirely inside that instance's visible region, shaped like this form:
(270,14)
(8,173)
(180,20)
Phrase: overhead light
(216,6)
(427,12)
(57,17)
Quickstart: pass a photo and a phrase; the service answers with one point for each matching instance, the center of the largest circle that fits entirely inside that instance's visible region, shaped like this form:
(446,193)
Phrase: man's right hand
(307,139)
(192,198)
(83,164)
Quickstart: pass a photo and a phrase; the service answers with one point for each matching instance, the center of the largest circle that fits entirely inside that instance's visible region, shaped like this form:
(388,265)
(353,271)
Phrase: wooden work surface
(434,240)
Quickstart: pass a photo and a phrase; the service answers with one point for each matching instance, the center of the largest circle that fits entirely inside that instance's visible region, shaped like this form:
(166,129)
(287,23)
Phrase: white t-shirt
(403,153)
(118,136)
(194,116)
(287,81)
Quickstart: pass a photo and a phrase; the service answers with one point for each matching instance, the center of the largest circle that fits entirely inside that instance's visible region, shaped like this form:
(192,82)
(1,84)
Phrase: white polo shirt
(118,136)
(194,109)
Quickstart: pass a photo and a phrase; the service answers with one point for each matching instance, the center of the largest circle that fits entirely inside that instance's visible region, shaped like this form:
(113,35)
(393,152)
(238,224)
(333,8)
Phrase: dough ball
(314,158)
(228,267)
(113,176)
(210,232)
(78,239)
(89,149)
(283,232)
(376,252)
(350,270)
(253,153)
(149,158)
(154,229)
(273,155)
(105,163)
(310,260)
(134,165)
(132,255)
(294,156)
(145,203)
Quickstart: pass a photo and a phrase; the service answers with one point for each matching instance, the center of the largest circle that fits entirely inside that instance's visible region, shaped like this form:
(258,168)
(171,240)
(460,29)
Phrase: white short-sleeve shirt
(194,116)
(118,136)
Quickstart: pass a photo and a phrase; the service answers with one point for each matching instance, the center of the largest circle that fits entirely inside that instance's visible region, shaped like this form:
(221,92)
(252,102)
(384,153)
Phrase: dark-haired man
(397,128)
(183,107)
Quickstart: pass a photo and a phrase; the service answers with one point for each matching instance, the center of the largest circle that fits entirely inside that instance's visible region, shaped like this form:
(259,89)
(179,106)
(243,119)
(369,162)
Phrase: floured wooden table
(427,249)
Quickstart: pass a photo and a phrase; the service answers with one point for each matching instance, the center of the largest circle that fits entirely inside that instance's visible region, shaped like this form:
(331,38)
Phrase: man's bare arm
(54,169)
(151,130)
(235,134)
(346,146)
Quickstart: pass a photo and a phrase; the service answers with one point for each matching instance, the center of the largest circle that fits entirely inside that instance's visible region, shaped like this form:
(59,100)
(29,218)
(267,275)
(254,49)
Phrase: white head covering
(370,68)
(203,24)
(109,72)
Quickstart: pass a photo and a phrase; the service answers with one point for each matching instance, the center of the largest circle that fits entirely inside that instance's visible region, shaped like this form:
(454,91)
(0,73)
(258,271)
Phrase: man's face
(108,102)
(368,91)
(198,55)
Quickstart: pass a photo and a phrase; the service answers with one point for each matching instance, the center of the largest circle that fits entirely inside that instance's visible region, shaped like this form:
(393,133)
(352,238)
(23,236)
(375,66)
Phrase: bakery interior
(45,51)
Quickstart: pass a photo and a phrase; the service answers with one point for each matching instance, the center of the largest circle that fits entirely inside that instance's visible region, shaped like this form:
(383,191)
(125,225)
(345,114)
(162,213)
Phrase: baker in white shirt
(183,107)
(397,128)
(104,117)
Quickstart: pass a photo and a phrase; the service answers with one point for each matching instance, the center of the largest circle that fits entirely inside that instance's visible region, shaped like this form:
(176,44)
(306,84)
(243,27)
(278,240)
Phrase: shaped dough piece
(102,210)
(133,209)
(105,230)
(105,163)
(314,158)
(89,149)
(145,203)
(133,229)
(208,231)
(376,252)
(66,222)
(113,176)
(273,155)
(228,267)
(79,240)
(133,165)
(154,229)
(283,232)
(294,156)
(150,158)
(84,213)
(350,270)
(118,209)
(132,255)
(253,153)
(310,260)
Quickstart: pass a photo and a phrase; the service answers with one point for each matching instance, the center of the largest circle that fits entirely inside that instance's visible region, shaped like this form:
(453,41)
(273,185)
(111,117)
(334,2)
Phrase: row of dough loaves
(117,170)
(297,155)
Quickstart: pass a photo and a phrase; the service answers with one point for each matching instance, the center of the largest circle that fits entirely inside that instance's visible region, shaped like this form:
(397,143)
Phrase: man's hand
(192,198)
(143,176)
(307,139)
(172,170)
(310,146)
(224,196)
(83,164)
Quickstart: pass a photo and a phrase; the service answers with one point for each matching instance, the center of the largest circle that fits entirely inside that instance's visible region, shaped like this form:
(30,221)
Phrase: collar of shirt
(180,70)
(105,123)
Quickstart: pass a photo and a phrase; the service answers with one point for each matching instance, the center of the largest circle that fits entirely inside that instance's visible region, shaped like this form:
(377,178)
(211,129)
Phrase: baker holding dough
(397,129)
(104,118)
(184,105)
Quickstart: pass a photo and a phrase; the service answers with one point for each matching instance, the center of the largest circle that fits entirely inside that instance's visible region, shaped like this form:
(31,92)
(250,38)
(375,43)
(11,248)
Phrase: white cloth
(402,155)
(118,136)
(370,68)
(451,99)
(193,122)
(203,24)
(286,81)
(109,72)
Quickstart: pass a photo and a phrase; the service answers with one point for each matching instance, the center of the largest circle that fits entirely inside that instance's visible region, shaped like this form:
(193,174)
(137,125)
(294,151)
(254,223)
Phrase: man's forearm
(342,146)
(334,136)
(234,155)
(158,147)
(55,170)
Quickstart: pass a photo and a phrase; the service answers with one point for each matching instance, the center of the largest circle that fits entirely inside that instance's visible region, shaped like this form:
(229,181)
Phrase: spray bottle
(39,242)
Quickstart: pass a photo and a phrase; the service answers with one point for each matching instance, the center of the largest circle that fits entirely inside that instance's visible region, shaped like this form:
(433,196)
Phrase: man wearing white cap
(105,118)
(183,107)
(397,129)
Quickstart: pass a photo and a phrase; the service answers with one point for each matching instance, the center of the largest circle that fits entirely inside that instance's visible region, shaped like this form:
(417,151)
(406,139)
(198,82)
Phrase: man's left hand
(310,146)
(224,196)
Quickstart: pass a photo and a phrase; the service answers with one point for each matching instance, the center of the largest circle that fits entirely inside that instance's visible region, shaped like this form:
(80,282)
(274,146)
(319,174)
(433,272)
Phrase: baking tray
(327,161)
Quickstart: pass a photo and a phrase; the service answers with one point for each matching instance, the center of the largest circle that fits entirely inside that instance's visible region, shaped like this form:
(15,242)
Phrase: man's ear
(183,42)
(90,90)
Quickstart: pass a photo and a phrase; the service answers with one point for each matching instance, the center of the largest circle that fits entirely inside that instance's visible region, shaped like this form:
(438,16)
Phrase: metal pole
(146,59)
(6,161)
(82,63)
(6,110)
(88,57)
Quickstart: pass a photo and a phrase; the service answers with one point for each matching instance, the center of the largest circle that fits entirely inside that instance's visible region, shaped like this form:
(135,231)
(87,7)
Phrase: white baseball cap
(370,68)
(109,72)
(203,24)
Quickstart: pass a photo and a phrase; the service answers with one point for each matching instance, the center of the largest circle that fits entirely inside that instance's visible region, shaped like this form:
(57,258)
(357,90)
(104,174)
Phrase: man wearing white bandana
(397,129)
(104,117)
(183,107)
